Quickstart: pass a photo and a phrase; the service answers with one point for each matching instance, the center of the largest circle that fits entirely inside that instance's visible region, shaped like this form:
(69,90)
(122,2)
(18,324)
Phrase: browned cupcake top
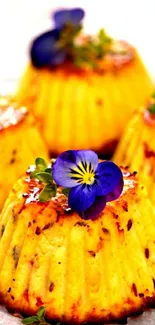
(121,55)
(60,202)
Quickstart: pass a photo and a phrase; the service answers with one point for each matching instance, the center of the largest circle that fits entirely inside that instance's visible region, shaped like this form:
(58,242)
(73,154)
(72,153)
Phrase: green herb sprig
(151,107)
(38,319)
(44,174)
(89,52)
(92,51)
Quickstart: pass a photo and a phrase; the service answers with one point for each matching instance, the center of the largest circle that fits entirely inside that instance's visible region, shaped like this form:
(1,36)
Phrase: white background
(20,20)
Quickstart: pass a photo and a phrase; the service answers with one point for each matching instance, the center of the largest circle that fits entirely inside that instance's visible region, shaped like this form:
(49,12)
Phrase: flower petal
(65,16)
(76,14)
(95,209)
(61,17)
(62,169)
(44,50)
(73,160)
(109,176)
(114,195)
(87,157)
(82,197)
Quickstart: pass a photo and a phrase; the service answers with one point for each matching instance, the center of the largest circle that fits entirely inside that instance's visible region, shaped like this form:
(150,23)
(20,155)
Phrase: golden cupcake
(82,90)
(20,142)
(137,147)
(78,262)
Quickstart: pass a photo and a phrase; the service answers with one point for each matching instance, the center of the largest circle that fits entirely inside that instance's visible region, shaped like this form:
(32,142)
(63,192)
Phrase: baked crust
(81,271)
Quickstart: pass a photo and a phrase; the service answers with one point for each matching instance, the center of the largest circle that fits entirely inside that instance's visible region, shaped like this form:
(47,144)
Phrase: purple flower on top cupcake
(47,50)
(68,16)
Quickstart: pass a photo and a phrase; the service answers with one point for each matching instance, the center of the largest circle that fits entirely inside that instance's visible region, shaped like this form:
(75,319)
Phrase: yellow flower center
(84,174)
(88,178)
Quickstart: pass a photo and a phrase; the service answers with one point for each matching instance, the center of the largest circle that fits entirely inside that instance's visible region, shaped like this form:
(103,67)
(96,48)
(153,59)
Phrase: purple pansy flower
(45,50)
(91,183)
(68,16)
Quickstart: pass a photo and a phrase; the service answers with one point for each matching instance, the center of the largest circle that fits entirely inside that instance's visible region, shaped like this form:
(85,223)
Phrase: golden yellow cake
(80,271)
(85,107)
(137,148)
(20,142)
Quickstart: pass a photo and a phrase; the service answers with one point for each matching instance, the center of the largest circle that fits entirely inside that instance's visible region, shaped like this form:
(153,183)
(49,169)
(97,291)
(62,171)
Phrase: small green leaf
(40,163)
(48,170)
(47,193)
(103,37)
(51,187)
(66,191)
(41,313)
(34,174)
(151,108)
(44,196)
(30,320)
(44,177)
(40,167)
